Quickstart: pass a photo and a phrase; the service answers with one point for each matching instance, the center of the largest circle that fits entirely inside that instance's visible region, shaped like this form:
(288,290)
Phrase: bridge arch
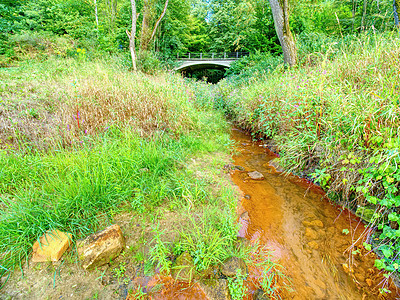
(208,66)
(204,64)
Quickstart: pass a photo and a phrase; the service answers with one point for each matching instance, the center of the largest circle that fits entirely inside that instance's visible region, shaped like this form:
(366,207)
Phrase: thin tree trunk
(396,6)
(132,34)
(144,34)
(280,13)
(159,19)
(145,37)
(95,13)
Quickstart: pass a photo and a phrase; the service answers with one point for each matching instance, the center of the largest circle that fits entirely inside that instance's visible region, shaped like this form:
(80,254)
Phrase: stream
(318,244)
(306,234)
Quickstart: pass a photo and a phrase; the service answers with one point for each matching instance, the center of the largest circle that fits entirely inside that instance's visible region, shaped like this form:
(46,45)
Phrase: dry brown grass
(59,101)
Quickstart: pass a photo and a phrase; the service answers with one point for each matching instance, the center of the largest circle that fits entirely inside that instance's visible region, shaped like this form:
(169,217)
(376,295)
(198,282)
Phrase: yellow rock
(317,223)
(52,246)
(311,234)
(313,245)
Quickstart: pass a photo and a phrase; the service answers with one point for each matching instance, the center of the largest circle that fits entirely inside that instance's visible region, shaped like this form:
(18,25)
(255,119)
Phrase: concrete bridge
(190,62)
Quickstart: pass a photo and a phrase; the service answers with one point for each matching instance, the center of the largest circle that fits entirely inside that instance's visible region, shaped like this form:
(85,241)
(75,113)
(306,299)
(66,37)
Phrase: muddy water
(304,231)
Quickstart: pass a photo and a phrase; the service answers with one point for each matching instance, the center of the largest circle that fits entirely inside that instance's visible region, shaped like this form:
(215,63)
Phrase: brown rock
(311,234)
(260,295)
(232,264)
(256,175)
(52,246)
(99,248)
(216,289)
(245,216)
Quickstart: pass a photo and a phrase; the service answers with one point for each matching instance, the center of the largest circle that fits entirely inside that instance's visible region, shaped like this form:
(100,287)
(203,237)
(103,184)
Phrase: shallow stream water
(305,232)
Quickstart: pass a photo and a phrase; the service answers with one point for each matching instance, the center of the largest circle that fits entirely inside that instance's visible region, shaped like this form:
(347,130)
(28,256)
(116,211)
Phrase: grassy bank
(83,142)
(335,119)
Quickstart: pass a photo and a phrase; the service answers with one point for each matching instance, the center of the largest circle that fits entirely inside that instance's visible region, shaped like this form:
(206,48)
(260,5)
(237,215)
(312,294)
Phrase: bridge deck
(212,56)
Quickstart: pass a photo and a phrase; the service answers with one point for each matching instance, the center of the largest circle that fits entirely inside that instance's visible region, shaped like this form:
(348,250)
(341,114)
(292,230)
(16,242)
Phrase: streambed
(319,244)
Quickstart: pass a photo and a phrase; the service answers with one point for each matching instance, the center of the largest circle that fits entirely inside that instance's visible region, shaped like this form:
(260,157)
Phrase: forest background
(100,26)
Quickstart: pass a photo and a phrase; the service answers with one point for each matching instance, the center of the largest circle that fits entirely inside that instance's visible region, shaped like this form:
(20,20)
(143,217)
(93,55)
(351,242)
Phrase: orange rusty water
(294,219)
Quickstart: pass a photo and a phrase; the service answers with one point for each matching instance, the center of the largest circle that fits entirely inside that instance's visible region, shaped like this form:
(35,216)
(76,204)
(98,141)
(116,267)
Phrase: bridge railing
(211,56)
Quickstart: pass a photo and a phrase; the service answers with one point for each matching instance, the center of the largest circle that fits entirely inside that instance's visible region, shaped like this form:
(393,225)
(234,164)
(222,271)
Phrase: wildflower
(85,131)
(68,127)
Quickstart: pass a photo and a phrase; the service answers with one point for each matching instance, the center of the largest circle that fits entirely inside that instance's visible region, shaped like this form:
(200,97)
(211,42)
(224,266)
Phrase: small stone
(240,168)
(183,269)
(260,295)
(245,216)
(101,247)
(52,246)
(232,264)
(256,175)
(247,197)
(311,234)
(313,245)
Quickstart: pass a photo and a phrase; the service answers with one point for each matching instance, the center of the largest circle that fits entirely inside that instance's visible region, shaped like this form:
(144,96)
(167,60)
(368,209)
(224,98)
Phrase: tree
(147,34)
(396,6)
(280,13)
(132,35)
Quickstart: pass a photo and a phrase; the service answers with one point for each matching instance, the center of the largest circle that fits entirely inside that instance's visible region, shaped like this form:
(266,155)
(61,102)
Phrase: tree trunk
(396,6)
(146,37)
(280,13)
(96,15)
(132,34)
(159,19)
(145,32)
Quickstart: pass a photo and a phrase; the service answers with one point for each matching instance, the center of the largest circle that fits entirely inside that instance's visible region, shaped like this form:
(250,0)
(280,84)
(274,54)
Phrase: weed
(138,295)
(159,252)
(236,286)
(119,273)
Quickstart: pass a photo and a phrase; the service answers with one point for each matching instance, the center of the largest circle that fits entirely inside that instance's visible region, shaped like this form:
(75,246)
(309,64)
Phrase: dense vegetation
(83,139)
